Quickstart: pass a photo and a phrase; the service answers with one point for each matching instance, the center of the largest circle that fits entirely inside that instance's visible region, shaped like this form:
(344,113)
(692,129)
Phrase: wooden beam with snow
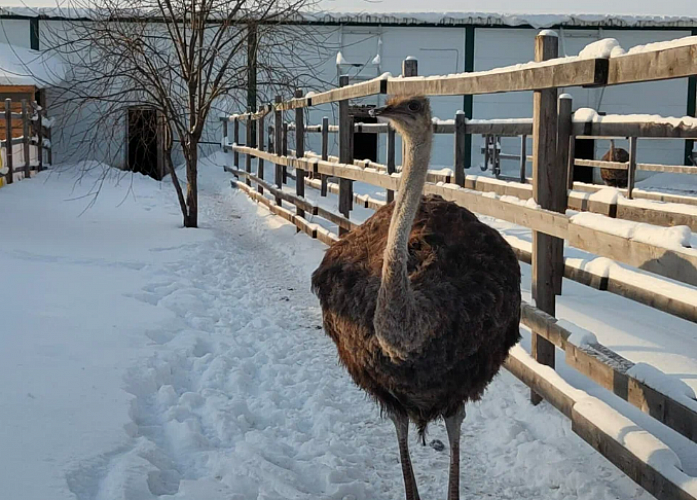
(662,64)
(646,167)
(299,202)
(566,399)
(533,76)
(610,370)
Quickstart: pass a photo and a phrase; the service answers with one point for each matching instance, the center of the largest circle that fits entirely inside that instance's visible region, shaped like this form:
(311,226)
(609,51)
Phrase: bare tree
(186,59)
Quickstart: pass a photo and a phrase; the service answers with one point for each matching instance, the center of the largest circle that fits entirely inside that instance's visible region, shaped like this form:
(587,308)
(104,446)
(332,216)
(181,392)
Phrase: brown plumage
(611,176)
(424,345)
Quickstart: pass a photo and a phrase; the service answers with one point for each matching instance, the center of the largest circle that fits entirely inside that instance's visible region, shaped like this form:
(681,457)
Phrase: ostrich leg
(401,423)
(452,425)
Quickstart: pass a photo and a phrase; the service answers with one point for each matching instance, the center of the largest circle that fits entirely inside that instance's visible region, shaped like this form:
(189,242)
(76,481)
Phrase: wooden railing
(26,128)
(551,128)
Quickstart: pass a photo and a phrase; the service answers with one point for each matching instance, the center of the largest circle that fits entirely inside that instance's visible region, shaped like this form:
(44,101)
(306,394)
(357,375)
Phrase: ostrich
(422,300)
(611,176)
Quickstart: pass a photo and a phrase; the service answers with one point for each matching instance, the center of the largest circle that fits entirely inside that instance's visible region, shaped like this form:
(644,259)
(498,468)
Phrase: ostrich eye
(413,106)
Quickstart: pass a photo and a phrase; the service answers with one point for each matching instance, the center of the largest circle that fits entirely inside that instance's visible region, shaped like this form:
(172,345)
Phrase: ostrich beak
(375,112)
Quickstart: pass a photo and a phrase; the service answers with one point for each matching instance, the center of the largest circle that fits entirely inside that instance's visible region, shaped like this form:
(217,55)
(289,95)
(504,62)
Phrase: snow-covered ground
(140,360)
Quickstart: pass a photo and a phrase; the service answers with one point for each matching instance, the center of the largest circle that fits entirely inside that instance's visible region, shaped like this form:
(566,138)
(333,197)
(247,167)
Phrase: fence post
(523,157)
(284,150)
(260,146)
(236,140)
(345,154)
(8,141)
(249,142)
(325,154)
(391,158)
(40,137)
(299,151)
(631,173)
(26,139)
(410,67)
(460,146)
(547,251)
(224,140)
(560,194)
(278,139)
(572,162)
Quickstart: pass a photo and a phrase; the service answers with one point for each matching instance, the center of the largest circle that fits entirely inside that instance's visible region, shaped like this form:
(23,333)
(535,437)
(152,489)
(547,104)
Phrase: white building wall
(15,32)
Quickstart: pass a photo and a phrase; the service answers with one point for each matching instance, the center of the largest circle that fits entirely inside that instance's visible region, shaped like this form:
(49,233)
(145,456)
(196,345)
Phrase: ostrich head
(409,115)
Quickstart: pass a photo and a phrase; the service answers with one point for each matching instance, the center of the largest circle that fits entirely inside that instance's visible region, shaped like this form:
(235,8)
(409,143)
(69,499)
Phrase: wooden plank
(337,219)
(677,62)
(260,145)
(613,165)
(561,169)
(410,68)
(299,150)
(638,470)
(505,127)
(285,152)
(345,92)
(654,216)
(40,136)
(646,167)
(548,252)
(26,139)
(608,369)
(299,202)
(278,145)
(236,140)
(586,72)
(345,154)
(305,226)
(639,194)
(325,153)
(620,126)
(460,147)
(674,264)
(391,166)
(631,172)
(249,142)
(9,176)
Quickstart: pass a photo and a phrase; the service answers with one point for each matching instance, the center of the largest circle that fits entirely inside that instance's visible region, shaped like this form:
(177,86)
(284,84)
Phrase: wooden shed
(17,93)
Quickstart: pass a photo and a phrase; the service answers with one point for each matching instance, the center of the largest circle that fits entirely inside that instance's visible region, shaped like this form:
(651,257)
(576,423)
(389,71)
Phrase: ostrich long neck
(394,319)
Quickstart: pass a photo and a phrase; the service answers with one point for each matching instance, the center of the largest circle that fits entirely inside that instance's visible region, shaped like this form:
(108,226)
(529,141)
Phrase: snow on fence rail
(651,248)
(23,137)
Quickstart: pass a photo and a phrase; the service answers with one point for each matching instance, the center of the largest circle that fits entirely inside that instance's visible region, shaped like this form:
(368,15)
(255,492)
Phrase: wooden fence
(24,136)
(552,128)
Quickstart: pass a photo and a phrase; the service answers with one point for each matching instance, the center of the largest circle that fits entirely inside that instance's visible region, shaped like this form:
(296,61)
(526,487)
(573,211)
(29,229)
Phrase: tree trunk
(175,181)
(191,218)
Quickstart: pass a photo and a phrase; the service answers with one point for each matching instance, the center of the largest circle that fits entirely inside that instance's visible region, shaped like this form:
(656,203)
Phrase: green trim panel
(34,33)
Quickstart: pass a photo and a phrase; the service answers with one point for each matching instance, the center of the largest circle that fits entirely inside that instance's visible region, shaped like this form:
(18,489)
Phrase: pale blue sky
(626,7)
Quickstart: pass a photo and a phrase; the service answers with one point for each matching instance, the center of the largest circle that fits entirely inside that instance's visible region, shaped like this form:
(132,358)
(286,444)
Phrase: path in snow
(239,395)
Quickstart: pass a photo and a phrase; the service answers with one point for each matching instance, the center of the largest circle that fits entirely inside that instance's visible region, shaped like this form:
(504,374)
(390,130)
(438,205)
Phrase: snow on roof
(22,66)
(448,18)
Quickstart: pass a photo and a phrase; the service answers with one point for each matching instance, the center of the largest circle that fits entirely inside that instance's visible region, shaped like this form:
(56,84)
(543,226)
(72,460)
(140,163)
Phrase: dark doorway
(365,146)
(585,150)
(143,142)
